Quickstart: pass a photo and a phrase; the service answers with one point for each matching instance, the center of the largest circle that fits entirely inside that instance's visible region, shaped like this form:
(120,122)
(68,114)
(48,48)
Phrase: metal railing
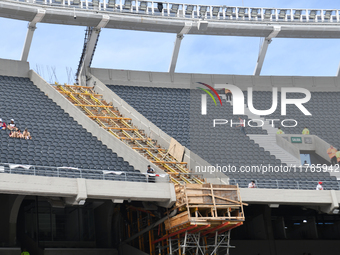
(72,172)
(287,184)
(193,11)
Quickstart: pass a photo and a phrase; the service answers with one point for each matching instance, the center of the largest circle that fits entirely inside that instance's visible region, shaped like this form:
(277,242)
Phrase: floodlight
(215,10)
(241,12)
(282,14)
(297,14)
(254,12)
(229,11)
(203,10)
(111,4)
(174,8)
(328,14)
(268,13)
(128,4)
(189,10)
(143,5)
(312,14)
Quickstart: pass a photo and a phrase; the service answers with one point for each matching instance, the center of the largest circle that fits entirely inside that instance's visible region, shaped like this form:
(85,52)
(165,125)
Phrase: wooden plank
(176,150)
(76,86)
(217,206)
(146,148)
(90,105)
(168,162)
(78,93)
(119,128)
(107,117)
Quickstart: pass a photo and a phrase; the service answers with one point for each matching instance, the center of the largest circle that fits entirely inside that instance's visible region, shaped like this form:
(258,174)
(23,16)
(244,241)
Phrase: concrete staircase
(268,142)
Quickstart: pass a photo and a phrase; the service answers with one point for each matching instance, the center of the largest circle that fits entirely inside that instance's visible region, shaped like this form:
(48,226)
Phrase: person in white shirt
(252,185)
(319,186)
(11,125)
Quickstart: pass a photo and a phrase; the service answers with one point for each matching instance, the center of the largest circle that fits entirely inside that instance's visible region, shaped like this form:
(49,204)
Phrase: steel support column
(29,36)
(264,48)
(177,46)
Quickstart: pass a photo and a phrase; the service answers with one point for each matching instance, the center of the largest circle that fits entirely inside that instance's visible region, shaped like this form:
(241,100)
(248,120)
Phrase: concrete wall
(95,189)
(10,251)
(13,68)
(123,150)
(187,80)
(309,143)
(287,146)
(325,200)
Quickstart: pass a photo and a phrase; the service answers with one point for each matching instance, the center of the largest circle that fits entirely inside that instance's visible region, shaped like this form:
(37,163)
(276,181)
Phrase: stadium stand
(59,143)
(178,113)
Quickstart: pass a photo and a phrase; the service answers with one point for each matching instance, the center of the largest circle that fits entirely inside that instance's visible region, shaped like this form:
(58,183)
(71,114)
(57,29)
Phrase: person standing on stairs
(228,94)
(332,154)
(305,131)
(279,131)
(337,154)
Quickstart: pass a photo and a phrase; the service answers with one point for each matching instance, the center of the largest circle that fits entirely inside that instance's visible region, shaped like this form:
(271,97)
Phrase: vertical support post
(185,241)
(177,46)
(264,48)
(29,36)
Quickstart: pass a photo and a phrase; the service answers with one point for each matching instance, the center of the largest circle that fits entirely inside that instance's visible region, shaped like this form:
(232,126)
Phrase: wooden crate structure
(215,206)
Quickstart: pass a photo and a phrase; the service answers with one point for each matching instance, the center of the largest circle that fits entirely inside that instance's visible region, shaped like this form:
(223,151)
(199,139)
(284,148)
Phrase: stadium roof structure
(202,19)
(178,18)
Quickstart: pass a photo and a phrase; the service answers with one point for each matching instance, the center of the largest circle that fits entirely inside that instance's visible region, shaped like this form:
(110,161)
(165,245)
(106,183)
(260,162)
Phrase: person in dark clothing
(160,7)
(151,171)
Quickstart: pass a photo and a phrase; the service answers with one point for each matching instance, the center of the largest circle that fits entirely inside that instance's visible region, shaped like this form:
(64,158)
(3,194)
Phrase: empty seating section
(58,140)
(178,113)
(323,106)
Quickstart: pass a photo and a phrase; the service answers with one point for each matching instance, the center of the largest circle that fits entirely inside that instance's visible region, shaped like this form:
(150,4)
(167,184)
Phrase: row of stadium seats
(57,139)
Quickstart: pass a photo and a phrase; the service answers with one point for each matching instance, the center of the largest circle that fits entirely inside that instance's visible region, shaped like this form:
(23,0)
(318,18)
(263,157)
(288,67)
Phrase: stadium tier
(59,145)
(178,113)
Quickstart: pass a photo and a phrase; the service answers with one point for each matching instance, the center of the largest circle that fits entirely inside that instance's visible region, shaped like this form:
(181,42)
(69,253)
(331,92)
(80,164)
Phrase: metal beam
(89,50)
(264,48)
(29,36)
(93,39)
(178,41)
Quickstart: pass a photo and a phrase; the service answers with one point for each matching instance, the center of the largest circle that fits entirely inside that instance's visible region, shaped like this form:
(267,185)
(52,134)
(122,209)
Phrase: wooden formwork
(208,206)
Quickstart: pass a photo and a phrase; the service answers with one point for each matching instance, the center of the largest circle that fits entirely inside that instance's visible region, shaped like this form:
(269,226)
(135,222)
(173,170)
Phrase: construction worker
(337,155)
(228,94)
(331,153)
(305,131)
(279,131)
(25,252)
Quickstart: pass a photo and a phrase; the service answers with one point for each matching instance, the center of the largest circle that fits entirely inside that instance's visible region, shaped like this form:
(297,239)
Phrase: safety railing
(287,184)
(204,11)
(72,172)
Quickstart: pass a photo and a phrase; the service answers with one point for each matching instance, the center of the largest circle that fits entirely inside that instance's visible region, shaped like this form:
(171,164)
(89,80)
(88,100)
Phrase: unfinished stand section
(109,118)
(204,214)
(207,213)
